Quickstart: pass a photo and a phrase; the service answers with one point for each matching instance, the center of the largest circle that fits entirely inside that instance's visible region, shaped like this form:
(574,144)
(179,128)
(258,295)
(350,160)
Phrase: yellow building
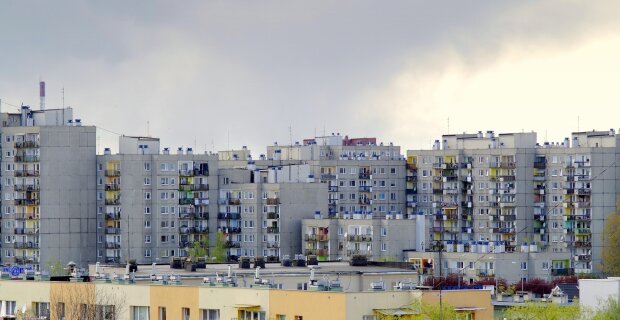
(98,300)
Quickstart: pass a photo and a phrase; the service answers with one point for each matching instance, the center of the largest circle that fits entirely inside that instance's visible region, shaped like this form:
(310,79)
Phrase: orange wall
(464,299)
(309,304)
(174,298)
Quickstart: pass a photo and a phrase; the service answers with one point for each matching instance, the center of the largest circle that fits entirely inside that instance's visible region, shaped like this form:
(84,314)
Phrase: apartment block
(152,206)
(376,238)
(261,209)
(48,188)
(505,205)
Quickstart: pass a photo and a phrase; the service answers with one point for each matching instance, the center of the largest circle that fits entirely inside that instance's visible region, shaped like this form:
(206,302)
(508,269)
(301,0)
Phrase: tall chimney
(42,94)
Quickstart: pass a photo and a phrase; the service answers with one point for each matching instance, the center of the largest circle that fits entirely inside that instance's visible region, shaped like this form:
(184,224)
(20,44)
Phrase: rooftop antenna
(148,128)
(42,95)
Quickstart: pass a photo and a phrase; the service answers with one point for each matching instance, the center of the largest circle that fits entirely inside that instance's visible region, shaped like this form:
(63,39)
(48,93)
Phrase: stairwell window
(185,314)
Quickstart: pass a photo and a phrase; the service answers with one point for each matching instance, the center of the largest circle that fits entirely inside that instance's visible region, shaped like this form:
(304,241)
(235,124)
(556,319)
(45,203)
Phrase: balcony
(112,231)
(113,202)
(112,245)
(364,175)
(26,230)
(273,201)
(583,192)
(411,191)
(360,238)
(112,173)
(26,173)
(316,237)
(201,201)
(365,188)
(26,245)
(328,176)
(273,216)
(113,216)
(563,272)
(273,245)
(507,165)
(26,187)
(229,216)
(26,158)
(186,173)
(316,252)
(229,230)
(26,145)
(582,244)
(273,230)
(232,244)
(485,272)
(364,201)
(112,187)
(332,189)
(27,202)
(186,201)
(26,260)
(539,177)
(583,231)
(540,164)
(583,258)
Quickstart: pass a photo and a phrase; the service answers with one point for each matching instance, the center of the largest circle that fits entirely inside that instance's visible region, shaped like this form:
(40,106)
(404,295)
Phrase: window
(147,181)
(42,309)
(162,313)
(147,223)
(523,265)
(185,313)
(10,307)
(139,313)
(147,210)
(210,314)
(147,239)
(383,246)
(147,253)
(383,231)
(147,167)
(147,196)
(545,265)
(252,315)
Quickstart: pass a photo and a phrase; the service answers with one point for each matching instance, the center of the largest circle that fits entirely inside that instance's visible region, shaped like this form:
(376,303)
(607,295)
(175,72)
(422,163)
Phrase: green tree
(198,249)
(55,267)
(611,243)
(218,253)
(542,311)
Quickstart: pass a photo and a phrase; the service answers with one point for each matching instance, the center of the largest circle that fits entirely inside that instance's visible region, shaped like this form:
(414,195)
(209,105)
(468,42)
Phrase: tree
(542,311)
(86,301)
(56,267)
(219,249)
(198,249)
(611,243)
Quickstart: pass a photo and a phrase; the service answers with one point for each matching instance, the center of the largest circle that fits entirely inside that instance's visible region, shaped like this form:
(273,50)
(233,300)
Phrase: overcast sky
(219,74)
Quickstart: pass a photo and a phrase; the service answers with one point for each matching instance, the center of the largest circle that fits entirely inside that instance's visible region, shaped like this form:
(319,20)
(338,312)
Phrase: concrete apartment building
(507,206)
(261,209)
(150,205)
(376,238)
(48,188)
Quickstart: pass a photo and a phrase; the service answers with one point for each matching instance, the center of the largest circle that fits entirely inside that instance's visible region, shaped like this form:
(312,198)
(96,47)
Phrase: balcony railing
(26,230)
(112,231)
(112,187)
(26,187)
(112,245)
(26,158)
(112,173)
(26,173)
(328,176)
(485,272)
(26,245)
(273,201)
(229,216)
(186,173)
(273,230)
(113,216)
(113,202)
(273,215)
(359,238)
(364,175)
(316,237)
(26,144)
(186,201)
(27,202)
(563,272)
(365,188)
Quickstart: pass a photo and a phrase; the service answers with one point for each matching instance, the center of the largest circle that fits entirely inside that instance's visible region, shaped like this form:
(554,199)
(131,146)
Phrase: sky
(216,75)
